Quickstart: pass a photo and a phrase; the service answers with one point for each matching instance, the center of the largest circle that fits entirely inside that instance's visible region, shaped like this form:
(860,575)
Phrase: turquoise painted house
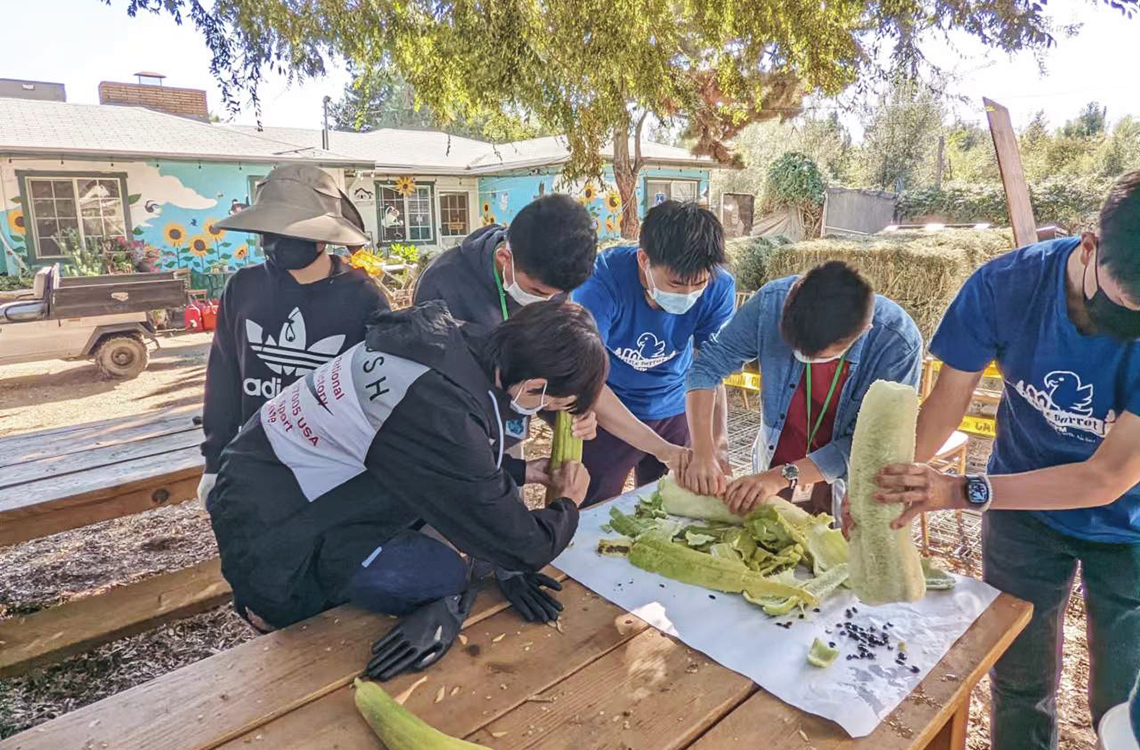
(80,172)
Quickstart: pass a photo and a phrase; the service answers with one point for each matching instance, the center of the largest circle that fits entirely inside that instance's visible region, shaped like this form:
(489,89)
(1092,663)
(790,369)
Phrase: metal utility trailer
(102,318)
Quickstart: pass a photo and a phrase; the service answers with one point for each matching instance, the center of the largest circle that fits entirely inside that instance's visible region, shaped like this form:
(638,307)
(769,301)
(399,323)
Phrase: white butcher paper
(856,694)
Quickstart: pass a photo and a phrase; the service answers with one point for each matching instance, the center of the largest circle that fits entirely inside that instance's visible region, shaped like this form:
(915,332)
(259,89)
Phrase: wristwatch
(791,472)
(979,492)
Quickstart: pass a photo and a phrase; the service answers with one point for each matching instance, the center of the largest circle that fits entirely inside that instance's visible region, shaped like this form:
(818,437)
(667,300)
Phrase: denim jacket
(891,350)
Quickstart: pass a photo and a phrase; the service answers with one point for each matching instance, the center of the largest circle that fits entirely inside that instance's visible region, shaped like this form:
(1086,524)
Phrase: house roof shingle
(61,129)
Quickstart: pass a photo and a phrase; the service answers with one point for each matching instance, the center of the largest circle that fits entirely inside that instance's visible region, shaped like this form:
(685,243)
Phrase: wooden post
(941,161)
(1012,175)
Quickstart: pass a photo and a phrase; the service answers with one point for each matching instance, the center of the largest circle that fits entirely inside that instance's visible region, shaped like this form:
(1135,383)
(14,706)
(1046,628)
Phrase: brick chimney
(189,103)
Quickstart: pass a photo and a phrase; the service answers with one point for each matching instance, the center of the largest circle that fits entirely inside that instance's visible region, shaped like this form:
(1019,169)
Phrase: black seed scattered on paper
(914,669)
(711,596)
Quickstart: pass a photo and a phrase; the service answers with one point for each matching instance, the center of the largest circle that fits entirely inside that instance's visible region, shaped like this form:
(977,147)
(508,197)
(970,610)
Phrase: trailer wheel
(121,357)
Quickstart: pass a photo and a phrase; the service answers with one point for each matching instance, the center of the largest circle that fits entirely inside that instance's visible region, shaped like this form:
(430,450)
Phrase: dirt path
(44,572)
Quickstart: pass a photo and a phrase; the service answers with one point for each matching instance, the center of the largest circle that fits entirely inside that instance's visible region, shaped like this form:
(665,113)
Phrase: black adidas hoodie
(406,427)
(271,330)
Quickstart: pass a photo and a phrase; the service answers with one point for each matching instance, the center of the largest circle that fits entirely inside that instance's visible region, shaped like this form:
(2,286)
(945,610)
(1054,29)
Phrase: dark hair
(554,239)
(683,237)
(829,304)
(1119,248)
(556,340)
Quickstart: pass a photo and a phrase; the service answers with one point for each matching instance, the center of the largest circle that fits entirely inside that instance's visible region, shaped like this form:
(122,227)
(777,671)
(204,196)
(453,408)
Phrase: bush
(921,271)
(1073,204)
(12,283)
(794,180)
(749,256)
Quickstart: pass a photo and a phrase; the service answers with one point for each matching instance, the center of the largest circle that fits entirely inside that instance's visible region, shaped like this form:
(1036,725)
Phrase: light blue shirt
(891,350)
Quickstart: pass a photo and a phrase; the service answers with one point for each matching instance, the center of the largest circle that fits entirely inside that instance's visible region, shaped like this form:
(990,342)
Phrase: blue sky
(83,42)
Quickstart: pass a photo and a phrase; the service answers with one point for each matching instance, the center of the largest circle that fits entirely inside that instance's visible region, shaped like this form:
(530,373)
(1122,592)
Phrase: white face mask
(815,360)
(520,295)
(525,411)
(673,303)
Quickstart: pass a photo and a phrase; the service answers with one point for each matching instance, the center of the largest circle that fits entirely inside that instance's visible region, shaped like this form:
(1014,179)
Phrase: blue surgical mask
(673,303)
(525,411)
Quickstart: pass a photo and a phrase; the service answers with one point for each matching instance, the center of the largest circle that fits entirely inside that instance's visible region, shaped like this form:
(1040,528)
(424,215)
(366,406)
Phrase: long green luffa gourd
(563,447)
(885,564)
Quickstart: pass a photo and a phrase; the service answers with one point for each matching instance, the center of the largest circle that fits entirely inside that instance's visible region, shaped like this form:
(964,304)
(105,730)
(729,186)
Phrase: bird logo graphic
(288,354)
(650,346)
(1068,393)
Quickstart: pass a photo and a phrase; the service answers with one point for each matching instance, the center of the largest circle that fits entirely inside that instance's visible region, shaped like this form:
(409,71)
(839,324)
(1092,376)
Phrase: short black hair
(1119,248)
(831,303)
(556,340)
(683,237)
(555,240)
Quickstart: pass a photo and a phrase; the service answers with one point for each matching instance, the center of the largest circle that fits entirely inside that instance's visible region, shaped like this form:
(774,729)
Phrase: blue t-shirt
(1063,390)
(650,350)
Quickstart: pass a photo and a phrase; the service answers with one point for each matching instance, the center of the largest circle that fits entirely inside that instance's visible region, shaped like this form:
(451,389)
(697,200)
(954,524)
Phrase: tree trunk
(627,167)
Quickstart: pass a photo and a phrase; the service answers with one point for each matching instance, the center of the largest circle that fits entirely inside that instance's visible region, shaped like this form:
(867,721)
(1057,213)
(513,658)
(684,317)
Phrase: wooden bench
(604,679)
(62,479)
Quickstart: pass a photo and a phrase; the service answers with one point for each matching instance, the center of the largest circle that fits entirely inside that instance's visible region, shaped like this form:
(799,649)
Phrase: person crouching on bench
(322,497)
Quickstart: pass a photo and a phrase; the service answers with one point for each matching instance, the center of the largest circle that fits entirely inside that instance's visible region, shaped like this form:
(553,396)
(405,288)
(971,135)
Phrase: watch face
(976,491)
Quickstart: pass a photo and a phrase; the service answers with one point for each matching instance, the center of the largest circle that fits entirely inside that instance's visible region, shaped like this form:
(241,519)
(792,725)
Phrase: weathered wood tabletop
(603,680)
(62,479)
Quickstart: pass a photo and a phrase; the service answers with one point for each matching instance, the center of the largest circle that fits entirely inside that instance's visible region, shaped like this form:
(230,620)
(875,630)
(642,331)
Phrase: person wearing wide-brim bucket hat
(299,202)
(280,320)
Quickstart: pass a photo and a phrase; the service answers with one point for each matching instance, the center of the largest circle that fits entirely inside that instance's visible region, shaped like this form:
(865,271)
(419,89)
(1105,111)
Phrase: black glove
(525,593)
(421,638)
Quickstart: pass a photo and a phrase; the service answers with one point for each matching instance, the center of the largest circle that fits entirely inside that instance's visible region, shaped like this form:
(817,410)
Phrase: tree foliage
(900,143)
(596,69)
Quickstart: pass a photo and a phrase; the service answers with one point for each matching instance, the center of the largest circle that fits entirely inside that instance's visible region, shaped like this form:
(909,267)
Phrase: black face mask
(1109,318)
(289,253)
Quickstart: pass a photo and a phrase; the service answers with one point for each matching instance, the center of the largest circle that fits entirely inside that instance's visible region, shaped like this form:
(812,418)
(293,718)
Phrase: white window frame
(670,183)
(463,193)
(406,214)
(28,178)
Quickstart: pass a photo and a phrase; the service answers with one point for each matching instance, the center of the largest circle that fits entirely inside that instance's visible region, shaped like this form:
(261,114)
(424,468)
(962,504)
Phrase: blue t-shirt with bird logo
(650,350)
(1063,390)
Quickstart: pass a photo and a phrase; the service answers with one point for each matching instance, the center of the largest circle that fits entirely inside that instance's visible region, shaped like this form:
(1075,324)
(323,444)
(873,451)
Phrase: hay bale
(922,271)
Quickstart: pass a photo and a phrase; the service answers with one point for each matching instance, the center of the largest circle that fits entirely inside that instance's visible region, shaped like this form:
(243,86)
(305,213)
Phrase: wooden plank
(97,465)
(30,446)
(492,678)
(653,693)
(212,701)
(763,720)
(22,518)
(1012,174)
(79,625)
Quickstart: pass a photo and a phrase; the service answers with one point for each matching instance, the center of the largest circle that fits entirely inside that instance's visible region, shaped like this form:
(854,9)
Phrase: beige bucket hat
(301,201)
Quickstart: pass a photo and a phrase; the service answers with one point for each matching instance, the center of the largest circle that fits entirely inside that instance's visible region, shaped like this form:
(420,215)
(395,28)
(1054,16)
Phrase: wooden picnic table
(61,479)
(603,680)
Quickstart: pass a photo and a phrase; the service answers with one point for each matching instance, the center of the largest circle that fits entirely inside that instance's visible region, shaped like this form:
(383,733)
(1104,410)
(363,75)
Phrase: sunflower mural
(486,208)
(175,234)
(405,186)
(589,193)
(16,222)
(215,232)
(489,219)
(613,201)
(242,252)
(612,224)
(199,245)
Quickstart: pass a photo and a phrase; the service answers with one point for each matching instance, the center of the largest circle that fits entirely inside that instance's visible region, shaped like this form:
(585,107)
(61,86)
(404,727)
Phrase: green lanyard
(499,286)
(826,401)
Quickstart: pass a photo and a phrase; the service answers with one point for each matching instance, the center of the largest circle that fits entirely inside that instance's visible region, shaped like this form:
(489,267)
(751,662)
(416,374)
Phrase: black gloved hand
(421,638)
(525,593)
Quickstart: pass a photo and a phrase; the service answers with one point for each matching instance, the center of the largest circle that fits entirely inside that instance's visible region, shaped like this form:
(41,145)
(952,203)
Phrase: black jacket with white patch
(271,331)
(406,427)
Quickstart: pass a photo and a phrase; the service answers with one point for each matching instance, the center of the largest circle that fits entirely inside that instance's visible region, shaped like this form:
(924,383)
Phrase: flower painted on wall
(488,219)
(405,186)
(215,232)
(175,234)
(16,221)
(242,252)
(486,208)
(611,224)
(613,201)
(589,193)
(199,245)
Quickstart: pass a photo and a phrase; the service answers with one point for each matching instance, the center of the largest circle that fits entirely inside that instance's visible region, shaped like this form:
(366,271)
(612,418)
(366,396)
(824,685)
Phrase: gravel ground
(44,572)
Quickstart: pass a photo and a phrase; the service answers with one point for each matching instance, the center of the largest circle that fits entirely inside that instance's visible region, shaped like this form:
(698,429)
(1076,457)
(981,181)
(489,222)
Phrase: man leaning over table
(1062,319)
